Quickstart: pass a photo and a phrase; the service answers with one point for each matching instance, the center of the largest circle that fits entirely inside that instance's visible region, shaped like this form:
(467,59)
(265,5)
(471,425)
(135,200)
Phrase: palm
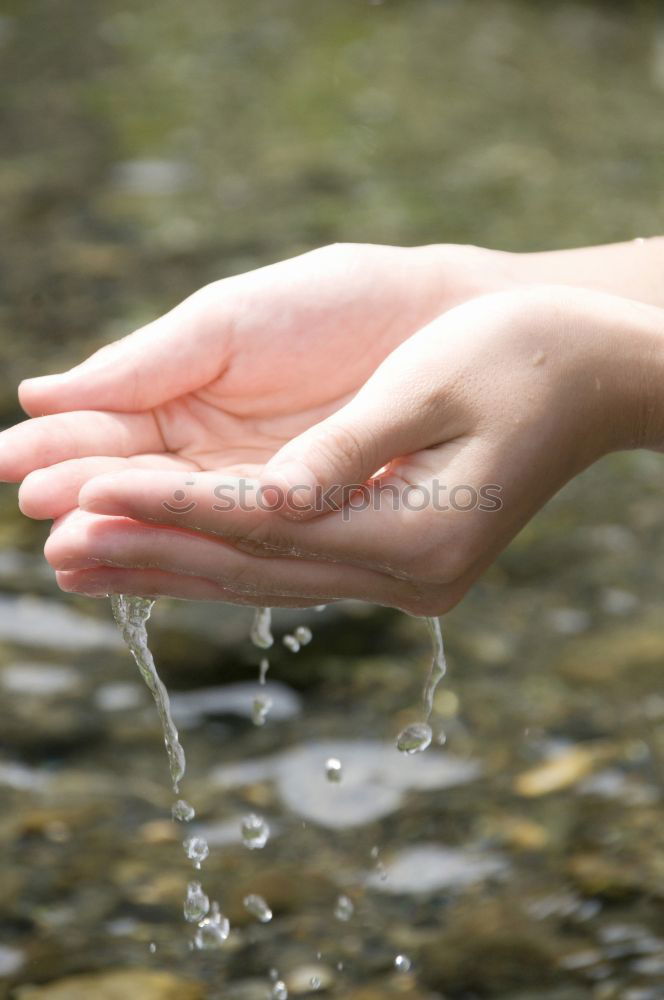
(234,372)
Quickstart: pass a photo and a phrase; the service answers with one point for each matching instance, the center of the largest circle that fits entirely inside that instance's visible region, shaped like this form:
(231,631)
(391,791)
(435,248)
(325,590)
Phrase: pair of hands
(444,370)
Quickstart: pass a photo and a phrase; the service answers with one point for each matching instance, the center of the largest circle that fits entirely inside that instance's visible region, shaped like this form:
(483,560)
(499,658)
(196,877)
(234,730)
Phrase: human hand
(521,390)
(235,371)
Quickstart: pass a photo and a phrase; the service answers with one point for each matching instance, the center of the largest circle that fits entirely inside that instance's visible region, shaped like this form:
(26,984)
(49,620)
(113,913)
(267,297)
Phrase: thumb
(175,354)
(396,412)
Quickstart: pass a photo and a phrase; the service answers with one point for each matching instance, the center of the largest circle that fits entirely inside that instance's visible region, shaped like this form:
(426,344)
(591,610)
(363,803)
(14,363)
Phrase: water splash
(414,738)
(438,665)
(131,615)
(418,736)
(344,909)
(196,849)
(333,770)
(196,903)
(182,811)
(303,634)
(260,709)
(261,628)
(258,908)
(212,931)
(255,832)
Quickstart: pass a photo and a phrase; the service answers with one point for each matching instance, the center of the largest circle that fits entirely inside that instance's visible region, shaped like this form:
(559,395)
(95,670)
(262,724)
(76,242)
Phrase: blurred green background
(148,148)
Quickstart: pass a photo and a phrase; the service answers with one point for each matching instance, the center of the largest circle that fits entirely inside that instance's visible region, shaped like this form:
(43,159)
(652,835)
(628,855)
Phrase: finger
(103,581)
(399,410)
(400,518)
(48,493)
(45,441)
(83,542)
(182,350)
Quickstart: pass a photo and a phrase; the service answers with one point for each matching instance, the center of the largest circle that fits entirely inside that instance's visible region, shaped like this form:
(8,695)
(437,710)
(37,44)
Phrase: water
(414,738)
(196,849)
(255,832)
(261,634)
(258,908)
(290,642)
(417,737)
(438,665)
(303,634)
(182,811)
(402,963)
(212,931)
(260,709)
(333,770)
(344,909)
(196,903)
(131,615)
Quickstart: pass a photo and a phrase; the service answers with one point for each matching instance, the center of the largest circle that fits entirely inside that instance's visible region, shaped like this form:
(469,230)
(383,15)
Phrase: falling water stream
(212,927)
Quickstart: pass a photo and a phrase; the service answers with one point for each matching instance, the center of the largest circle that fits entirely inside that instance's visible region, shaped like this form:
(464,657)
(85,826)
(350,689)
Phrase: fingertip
(80,582)
(34,394)
(291,490)
(30,498)
(97,495)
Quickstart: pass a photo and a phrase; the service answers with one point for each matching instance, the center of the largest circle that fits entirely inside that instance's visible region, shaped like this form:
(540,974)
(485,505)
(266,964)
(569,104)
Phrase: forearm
(633,270)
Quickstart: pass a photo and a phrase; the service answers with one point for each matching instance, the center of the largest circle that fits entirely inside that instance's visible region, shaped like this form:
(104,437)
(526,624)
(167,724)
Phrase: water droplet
(344,908)
(303,635)
(315,982)
(290,642)
(414,738)
(260,710)
(183,811)
(152,947)
(261,634)
(320,607)
(196,903)
(196,849)
(255,832)
(258,908)
(333,771)
(402,963)
(263,669)
(212,930)
(279,991)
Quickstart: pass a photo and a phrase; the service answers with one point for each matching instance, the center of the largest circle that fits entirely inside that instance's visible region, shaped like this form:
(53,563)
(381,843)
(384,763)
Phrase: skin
(437,364)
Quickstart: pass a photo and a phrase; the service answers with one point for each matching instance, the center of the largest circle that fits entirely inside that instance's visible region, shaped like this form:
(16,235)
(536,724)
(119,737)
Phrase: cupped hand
(474,421)
(238,369)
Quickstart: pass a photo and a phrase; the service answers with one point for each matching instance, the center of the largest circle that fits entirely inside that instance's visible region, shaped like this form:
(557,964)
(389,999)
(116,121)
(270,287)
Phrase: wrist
(624,371)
